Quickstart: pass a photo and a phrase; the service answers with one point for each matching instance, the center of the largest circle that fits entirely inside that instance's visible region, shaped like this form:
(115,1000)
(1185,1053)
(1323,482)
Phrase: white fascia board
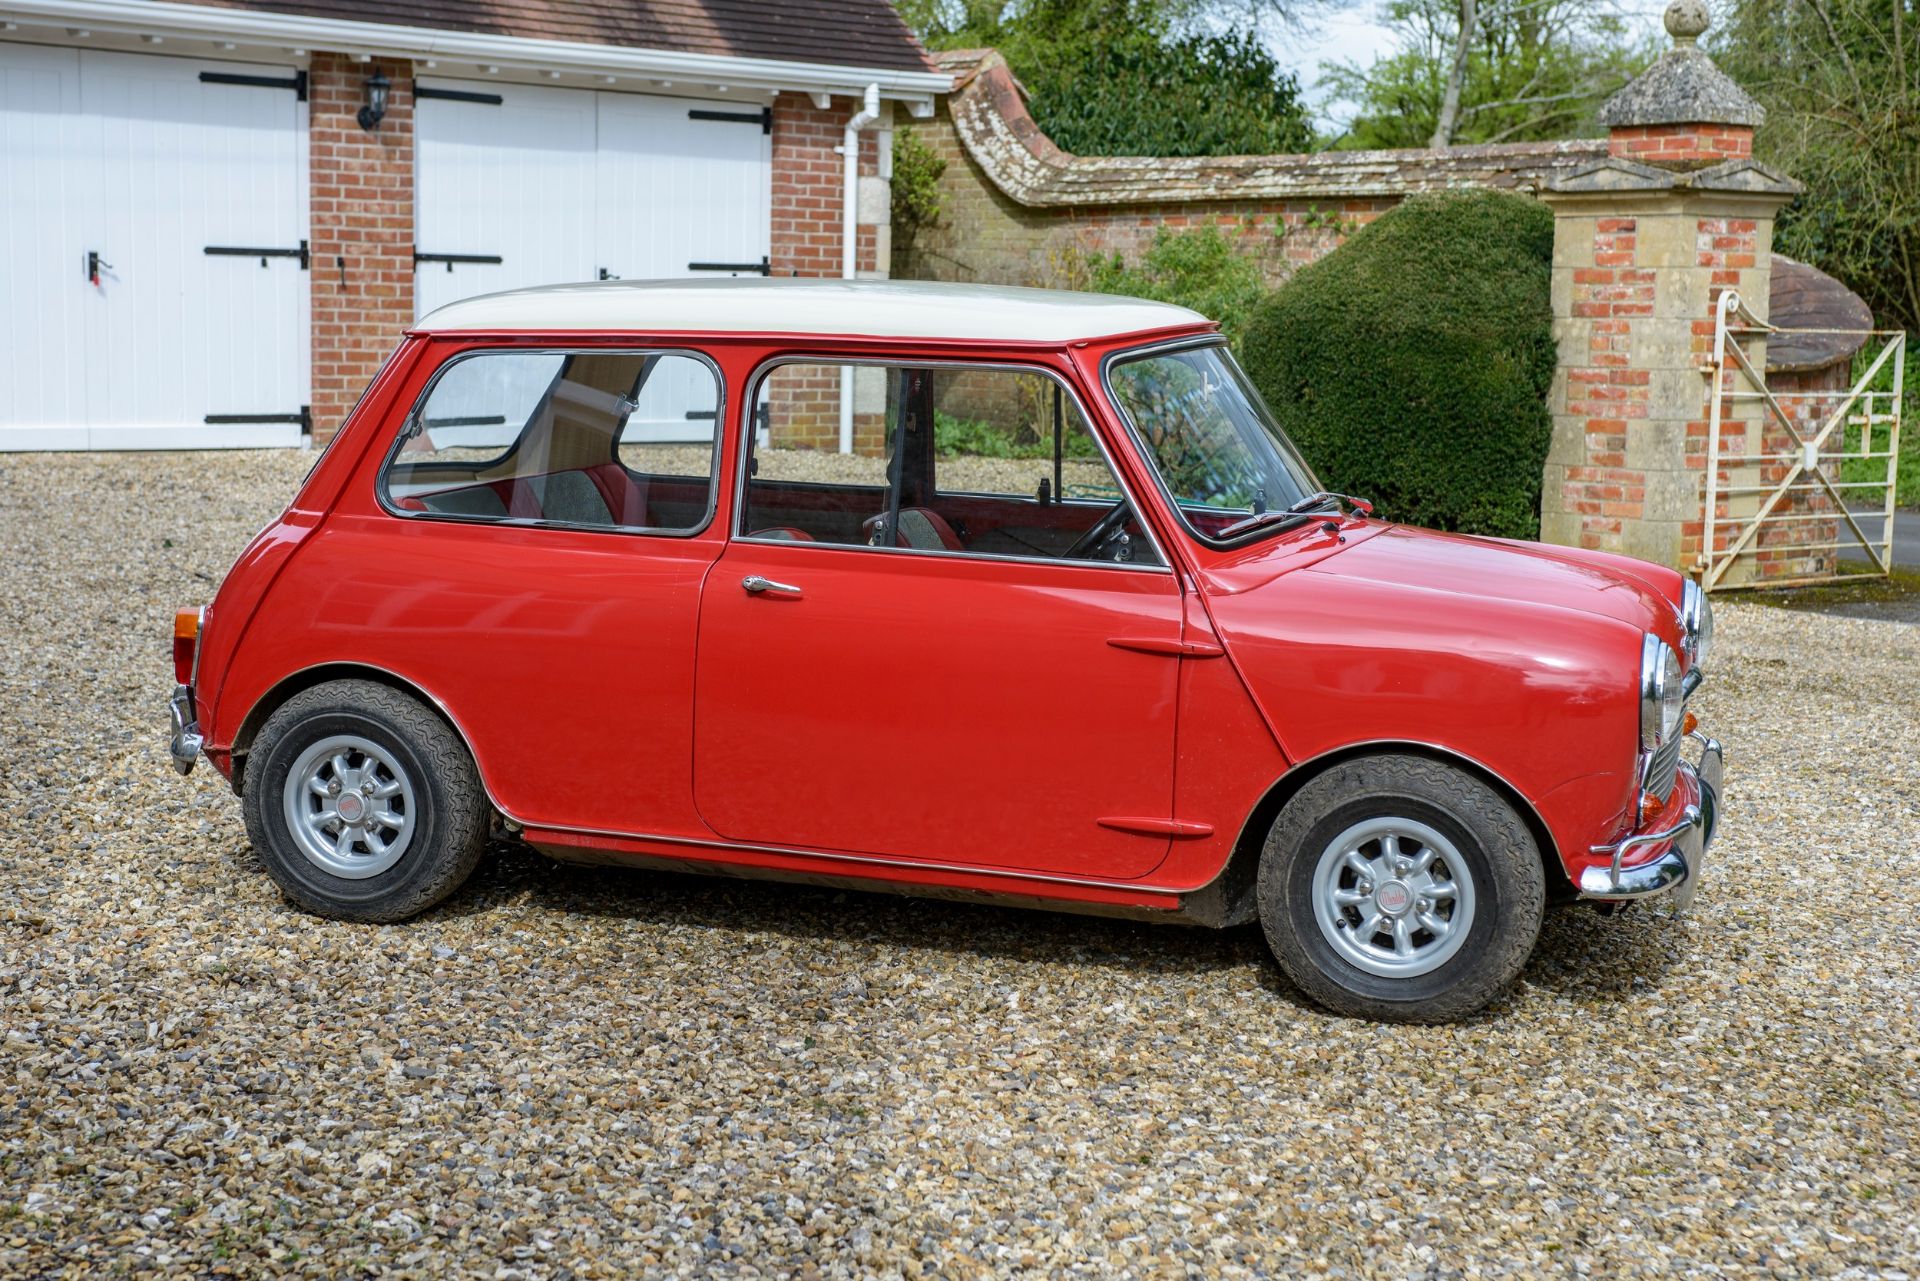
(155,17)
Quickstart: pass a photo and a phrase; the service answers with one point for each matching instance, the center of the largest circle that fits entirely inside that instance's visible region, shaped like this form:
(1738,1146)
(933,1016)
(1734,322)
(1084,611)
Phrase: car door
(909,696)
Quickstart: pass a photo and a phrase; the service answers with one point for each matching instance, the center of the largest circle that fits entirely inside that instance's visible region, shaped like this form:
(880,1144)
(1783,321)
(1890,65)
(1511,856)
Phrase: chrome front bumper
(187,739)
(1676,872)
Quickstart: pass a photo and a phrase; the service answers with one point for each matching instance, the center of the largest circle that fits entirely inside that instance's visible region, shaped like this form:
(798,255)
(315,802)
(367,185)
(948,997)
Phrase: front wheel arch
(1243,865)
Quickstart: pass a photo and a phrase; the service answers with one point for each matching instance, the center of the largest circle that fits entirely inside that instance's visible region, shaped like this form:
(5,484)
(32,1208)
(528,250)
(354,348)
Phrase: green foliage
(1536,70)
(1412,364)
(1840,80)
(971,437)
(1138,94)
(1131,77)
(1907,493)
(916,188)
(1200,269)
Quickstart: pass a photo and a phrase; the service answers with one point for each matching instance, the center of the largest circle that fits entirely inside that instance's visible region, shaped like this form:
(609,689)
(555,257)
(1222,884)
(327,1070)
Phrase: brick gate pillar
(1644,241)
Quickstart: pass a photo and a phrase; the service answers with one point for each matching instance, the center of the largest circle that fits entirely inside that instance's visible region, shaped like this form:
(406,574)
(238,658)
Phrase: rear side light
(186,640)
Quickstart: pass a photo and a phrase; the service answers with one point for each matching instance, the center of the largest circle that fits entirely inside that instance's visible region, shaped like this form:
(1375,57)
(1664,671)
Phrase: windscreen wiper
(1294,515)
(1313,502)
(1260,520)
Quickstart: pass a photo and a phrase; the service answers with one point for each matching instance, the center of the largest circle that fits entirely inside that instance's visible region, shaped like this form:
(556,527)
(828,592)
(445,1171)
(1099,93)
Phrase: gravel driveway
(594,1072)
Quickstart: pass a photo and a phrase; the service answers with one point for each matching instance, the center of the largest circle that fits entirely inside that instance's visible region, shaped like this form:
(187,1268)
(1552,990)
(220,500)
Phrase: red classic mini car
(973,592)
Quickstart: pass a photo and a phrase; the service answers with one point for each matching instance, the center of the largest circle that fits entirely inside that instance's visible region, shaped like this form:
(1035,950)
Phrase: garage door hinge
(762,117)
(243,251)
(451,259)
(297,82)
(764,267)
(304,418)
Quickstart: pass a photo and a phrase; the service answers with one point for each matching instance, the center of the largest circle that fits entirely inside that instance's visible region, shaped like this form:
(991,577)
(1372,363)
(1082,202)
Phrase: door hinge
(764,267)
(244,251)
(304,418)
(762,117)
(296,82)
(450,259)
(456,95)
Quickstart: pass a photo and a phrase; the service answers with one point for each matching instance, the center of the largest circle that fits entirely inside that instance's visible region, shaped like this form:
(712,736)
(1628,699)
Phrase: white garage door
(522,185)
(128,318)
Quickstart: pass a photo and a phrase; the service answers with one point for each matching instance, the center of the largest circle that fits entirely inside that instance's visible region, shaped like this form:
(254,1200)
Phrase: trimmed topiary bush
(1412,364)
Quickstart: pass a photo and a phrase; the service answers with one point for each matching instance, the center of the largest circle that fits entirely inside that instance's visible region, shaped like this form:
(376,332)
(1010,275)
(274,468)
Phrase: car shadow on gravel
(1581,956)
(513,875)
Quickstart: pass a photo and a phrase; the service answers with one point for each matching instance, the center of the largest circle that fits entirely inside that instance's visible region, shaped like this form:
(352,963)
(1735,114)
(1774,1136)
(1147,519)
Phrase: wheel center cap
(351,808)
(1393,897)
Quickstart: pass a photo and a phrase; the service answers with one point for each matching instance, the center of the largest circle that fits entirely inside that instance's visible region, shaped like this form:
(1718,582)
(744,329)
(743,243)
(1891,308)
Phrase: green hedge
(1412,364)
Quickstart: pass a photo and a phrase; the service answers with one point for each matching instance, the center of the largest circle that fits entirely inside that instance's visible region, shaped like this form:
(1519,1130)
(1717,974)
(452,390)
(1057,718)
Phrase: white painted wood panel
(514,179)
(137,159)
(178,334)
(43,289)
(564,184)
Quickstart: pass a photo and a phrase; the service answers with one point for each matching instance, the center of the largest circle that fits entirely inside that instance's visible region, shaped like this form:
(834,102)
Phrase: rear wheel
(1399,888)
(362,803)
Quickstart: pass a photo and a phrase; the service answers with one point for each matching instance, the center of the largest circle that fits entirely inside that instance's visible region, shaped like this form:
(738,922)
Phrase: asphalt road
(1906,537)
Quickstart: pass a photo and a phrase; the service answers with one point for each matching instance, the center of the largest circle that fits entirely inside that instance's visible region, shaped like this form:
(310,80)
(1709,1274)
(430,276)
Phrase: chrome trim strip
(767,366)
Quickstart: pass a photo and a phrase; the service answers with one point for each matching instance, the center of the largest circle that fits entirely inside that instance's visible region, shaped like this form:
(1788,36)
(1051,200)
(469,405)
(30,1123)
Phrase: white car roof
(866,308)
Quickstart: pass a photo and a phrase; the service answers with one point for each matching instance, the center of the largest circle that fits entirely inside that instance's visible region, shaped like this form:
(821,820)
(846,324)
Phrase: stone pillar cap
(1683,87)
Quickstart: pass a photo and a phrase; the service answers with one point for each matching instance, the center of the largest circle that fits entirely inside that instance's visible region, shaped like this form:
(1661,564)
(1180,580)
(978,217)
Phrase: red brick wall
(361,186)
(985,236)
(1613,294)
(1681,146)
(807,186)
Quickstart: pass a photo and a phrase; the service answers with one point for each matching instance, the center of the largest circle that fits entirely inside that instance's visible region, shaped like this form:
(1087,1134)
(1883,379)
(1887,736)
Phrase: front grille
(1662,767)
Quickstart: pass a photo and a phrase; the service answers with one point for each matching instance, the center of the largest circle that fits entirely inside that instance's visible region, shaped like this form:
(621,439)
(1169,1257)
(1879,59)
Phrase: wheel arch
(309,677)
(1243,864)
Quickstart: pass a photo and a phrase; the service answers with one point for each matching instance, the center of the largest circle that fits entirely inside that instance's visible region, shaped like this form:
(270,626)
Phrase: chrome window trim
(1173,347)
(758,378)
(512,522)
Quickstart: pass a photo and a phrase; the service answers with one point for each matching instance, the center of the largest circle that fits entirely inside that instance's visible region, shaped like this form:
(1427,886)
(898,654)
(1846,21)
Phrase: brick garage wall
(807,187)
(361,232)
(362,219)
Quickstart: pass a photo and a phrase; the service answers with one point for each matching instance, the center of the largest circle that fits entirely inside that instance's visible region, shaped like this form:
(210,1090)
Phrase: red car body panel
(1061,732)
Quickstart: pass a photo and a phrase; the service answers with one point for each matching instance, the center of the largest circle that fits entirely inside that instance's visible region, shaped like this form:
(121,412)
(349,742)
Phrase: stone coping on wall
(990,115)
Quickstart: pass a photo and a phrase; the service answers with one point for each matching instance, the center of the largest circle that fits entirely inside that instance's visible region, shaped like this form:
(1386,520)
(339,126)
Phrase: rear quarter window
(613,440)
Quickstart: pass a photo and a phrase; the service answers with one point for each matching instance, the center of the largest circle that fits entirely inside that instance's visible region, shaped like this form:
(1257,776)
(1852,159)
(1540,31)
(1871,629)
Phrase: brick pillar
(361,184)
(1644,242)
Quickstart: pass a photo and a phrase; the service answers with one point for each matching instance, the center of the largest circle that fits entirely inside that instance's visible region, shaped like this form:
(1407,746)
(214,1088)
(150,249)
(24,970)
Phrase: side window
(598,439)
(961,459)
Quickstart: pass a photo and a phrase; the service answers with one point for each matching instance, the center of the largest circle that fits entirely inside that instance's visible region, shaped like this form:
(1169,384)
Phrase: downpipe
(850,232)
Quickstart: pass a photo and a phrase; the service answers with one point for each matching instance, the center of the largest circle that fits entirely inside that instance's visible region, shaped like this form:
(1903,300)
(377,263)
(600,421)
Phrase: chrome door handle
(757,585)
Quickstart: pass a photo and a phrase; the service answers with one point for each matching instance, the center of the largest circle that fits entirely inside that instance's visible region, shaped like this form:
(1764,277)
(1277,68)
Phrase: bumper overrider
(1675,871)
(187,738)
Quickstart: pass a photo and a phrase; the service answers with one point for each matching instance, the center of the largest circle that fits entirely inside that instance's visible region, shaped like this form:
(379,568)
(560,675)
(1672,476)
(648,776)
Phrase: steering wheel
(1111,522)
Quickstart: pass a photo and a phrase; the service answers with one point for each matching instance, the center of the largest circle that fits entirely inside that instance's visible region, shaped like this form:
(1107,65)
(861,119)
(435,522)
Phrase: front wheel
(363,803)
(1402,889)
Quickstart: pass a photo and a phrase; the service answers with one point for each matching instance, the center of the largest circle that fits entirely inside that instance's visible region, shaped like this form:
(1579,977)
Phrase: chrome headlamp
(1696,621)
(1662,700)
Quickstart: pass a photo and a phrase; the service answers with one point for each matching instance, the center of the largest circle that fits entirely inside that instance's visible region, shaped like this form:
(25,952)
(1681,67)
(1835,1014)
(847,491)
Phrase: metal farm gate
(1786,486)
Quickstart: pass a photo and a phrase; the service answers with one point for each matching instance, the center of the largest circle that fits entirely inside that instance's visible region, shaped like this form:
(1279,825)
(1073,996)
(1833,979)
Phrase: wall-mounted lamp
(376,108)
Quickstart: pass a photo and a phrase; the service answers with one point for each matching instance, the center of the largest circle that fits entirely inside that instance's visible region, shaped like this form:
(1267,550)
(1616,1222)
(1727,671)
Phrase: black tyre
(1401,889)
(362,803)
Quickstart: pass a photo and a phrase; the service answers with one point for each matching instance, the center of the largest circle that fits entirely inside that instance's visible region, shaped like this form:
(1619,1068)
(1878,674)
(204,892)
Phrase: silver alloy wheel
(1394,897)
(350,807)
